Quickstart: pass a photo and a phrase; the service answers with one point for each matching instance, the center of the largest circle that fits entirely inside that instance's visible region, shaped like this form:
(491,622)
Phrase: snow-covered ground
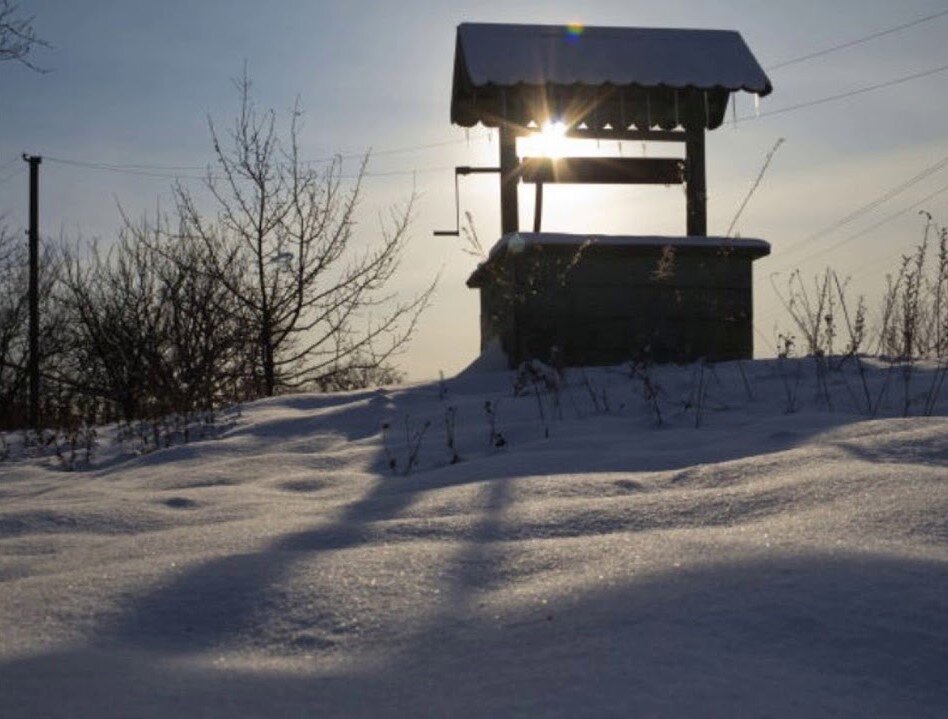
(764,563)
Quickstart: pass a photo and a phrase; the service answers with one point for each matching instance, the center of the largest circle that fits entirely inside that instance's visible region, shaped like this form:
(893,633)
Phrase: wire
(857,41)
(871,205)
(127,170)
(5,165)
(773,314)
(856,235)
(411,148)
(9,177)
(754,186)
(914,206)
(848,93)
(159,170)
(162,170)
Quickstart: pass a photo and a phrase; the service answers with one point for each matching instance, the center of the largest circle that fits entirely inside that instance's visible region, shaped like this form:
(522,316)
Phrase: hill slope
(764,563)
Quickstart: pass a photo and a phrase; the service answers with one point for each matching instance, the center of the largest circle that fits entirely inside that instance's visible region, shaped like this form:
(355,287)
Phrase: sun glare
(549,142)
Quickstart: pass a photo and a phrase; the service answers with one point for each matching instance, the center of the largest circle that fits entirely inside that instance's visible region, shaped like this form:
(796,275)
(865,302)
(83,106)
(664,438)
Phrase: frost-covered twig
(413,440)
(450,424)
(495,440)
(650,390)
(934,391)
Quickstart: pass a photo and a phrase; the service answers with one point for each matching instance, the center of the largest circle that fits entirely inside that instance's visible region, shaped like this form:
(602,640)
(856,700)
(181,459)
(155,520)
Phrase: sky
(133,83)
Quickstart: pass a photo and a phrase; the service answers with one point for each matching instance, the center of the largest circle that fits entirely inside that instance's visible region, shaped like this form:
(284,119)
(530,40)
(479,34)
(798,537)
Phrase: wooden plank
(603,170)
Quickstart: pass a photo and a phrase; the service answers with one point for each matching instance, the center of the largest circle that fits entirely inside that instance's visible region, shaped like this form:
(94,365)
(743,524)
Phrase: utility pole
(33,365)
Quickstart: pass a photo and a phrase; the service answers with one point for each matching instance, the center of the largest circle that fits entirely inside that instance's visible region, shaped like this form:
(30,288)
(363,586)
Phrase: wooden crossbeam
(603,170)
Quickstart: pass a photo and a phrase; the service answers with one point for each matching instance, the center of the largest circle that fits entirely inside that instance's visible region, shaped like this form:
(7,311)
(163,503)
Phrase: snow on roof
(507,55)
(599,75)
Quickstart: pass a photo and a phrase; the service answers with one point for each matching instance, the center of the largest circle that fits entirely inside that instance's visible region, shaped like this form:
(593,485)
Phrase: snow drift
(591,564)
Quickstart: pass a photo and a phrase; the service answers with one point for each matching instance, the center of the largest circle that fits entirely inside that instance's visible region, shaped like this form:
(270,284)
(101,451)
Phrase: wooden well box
(607,299)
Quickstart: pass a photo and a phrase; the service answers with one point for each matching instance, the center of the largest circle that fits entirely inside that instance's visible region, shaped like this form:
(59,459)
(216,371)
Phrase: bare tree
(14,347)
(17,37)
(321,310)
(12,325)
(151,331)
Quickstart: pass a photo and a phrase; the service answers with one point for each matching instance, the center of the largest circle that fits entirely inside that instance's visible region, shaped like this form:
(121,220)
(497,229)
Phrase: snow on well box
(607,299)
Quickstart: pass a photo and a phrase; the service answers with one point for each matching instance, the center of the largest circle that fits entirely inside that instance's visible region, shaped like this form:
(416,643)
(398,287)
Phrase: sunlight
(549,142)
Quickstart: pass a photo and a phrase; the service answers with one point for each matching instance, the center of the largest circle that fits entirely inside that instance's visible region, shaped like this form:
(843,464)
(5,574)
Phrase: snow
(522,240)
(509,55)
(762,563)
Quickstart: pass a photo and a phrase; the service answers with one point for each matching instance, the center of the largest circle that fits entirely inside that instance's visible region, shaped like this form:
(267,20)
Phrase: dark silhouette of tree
(319,305)
(150,331)
(14,345)
(17,37)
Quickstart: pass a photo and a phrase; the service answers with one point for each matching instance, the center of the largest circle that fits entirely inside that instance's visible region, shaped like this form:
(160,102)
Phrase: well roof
(501,69)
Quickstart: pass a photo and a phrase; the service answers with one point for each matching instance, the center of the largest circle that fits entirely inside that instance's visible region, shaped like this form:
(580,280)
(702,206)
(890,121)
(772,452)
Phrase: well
(596,299)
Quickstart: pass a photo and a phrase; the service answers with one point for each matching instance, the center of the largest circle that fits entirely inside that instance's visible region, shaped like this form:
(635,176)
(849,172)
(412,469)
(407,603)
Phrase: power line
(5,165)
(174,171)
(160,170)
(128,170)
(857,41)
(848,93)
(125,170)
(754,186)
(413,148)
(871,205)
(13,174)
(861,233)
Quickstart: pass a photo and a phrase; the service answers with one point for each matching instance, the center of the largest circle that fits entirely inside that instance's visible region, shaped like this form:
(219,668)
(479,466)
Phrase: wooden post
(696,184)
(509,178)
(538,208)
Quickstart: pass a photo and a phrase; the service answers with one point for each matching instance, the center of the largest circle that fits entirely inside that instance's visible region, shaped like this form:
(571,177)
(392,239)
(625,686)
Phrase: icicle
(677,120)
(467,136)
(619,145)
(643,149)
(757,104)
(707,113)
(734,108)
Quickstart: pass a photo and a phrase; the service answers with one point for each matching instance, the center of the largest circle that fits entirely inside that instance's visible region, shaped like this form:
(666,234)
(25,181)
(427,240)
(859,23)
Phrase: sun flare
(551,141)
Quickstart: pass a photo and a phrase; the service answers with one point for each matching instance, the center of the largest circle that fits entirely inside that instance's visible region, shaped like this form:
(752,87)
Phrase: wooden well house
(606,299)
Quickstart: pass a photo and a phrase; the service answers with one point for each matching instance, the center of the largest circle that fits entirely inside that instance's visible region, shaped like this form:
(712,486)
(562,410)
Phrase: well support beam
(509,178)
(696,183)
(538,208)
